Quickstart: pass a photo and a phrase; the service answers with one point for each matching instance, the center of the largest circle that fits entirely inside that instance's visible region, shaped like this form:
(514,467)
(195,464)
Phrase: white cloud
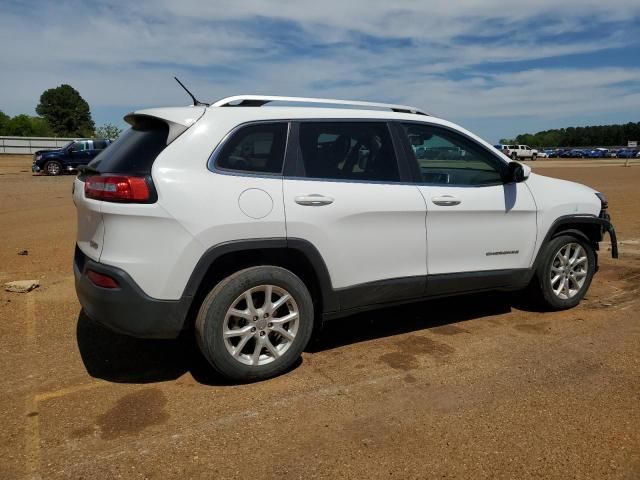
(125,53)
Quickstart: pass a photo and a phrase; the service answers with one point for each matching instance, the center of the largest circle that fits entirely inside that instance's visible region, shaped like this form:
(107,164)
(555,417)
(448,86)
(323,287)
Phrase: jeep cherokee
(249,223)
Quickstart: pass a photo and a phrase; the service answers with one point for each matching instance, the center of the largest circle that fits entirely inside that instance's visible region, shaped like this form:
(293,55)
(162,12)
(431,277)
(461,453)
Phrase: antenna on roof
(196,102)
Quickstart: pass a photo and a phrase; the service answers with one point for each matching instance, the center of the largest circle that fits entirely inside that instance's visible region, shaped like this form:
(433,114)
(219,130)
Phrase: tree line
(590,136)
(62,112)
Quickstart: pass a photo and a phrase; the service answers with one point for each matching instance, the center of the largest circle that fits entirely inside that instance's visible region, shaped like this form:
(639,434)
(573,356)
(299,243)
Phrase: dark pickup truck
(69,157)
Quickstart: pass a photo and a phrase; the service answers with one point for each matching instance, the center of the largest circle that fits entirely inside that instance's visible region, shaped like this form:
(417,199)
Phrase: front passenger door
(79,153)
(475,221)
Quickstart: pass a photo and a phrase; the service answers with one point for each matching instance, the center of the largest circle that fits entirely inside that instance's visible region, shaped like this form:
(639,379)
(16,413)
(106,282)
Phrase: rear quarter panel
(159,245)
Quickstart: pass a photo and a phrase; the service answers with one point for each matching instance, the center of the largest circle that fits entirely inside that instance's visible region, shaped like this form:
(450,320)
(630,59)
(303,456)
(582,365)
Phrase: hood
(41,152)
(562,197)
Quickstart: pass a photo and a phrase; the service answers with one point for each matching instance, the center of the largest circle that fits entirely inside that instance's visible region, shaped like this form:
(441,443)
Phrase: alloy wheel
(569,269)
(53,168)
(260,325)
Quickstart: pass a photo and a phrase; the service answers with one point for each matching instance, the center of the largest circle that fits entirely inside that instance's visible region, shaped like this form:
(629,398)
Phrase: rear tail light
(119,188)
(102,280)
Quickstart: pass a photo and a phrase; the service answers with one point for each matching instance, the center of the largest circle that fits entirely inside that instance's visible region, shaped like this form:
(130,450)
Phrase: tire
(555,295)
(234,357)
(534,158)
(53,168)
(514,156)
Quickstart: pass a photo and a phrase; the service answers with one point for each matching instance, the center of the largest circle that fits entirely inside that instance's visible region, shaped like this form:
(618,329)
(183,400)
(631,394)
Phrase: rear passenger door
(347,194)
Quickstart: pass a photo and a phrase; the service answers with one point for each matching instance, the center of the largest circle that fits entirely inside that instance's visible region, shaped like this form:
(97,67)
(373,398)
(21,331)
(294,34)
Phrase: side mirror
(517,172)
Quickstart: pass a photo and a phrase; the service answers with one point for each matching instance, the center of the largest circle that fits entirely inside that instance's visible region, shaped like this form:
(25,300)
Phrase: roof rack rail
(260,100)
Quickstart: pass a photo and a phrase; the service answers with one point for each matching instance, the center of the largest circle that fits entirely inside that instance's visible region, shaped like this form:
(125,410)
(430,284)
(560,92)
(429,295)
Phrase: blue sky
(498,68)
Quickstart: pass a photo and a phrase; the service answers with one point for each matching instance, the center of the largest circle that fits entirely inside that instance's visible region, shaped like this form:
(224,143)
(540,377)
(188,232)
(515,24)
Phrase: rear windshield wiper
(86,170)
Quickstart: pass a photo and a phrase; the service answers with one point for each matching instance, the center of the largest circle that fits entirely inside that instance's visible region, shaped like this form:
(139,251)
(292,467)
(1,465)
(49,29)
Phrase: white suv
(250,224)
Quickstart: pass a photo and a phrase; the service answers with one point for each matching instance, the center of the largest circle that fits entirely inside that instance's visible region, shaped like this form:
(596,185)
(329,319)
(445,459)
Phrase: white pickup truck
(523,151)
(517,152)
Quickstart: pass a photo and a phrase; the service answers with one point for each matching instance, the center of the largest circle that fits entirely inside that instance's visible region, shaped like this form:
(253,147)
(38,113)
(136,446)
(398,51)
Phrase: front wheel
(534,157)
(514,156)
(565,272)
(255,323)
(53,168)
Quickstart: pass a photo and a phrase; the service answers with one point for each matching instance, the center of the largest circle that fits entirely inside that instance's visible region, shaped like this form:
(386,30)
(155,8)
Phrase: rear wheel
(255,323)
(53,168)
(565,272)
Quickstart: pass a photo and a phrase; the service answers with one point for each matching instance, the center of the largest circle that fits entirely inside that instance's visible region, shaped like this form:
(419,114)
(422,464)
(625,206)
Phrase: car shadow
(397,320)
(118,358)
(122,359)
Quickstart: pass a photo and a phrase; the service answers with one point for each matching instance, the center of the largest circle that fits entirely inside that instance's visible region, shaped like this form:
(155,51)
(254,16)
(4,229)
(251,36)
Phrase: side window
(255,148)
(447,157)
(348,151)
(99,144)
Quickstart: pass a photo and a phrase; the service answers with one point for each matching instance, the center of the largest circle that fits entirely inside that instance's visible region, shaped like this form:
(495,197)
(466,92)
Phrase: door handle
(446,200)
(313,200)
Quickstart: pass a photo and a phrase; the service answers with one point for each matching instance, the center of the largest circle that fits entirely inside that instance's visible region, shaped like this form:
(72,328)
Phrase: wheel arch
(297,255)
(587,227)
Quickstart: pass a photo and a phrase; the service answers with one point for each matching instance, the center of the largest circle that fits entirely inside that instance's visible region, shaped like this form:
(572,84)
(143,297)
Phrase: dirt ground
(467,387)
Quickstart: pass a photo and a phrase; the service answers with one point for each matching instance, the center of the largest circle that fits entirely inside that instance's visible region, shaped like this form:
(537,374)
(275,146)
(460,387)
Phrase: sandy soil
(469,387)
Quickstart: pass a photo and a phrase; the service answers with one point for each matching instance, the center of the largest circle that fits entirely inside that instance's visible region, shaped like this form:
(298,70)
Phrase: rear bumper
(126,309)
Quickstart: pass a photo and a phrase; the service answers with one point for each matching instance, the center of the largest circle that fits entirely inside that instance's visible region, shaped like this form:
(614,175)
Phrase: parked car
(542,155)
(251,224)
(597,153)
(627,153)
(551,152)
(69,157)
(573,153)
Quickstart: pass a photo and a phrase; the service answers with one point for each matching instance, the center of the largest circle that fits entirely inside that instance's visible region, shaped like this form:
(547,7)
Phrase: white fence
(29,145)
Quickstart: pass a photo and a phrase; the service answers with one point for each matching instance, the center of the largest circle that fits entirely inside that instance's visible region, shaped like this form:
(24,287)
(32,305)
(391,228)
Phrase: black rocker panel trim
(383,291)
(467,282)
(399,291)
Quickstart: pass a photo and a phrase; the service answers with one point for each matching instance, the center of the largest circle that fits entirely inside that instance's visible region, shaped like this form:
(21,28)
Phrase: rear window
(135,150)
(255,148)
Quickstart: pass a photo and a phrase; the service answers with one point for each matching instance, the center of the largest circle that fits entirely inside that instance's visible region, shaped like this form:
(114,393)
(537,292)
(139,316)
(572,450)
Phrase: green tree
(589,136)
(26,126)
(66,111)
(108,130)
(4,119)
